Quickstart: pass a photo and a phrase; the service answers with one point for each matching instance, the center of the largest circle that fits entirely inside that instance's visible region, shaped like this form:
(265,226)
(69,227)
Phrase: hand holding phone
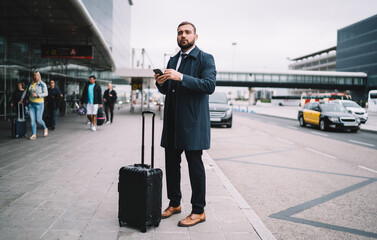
(158,71)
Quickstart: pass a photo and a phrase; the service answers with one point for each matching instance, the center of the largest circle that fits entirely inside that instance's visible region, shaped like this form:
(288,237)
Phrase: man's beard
(187,46)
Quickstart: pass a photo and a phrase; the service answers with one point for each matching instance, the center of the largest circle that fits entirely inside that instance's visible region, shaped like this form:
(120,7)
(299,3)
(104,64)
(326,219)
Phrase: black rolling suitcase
(140,191)
(19,123)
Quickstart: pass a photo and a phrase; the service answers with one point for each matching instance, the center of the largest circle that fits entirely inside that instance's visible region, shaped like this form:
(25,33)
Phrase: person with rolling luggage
(188,80)
(35,93)
(16,96)
(140,190)
(19,128)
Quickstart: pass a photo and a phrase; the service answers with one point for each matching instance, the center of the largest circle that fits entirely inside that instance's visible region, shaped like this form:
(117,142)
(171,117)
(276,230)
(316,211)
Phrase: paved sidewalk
(64,186)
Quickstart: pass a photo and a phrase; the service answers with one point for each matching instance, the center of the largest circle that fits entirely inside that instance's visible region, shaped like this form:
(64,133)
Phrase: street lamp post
(234,44)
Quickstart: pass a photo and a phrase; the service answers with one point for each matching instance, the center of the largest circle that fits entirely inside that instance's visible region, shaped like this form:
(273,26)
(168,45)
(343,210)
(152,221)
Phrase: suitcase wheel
(121,223)
(143,229)
(156,224)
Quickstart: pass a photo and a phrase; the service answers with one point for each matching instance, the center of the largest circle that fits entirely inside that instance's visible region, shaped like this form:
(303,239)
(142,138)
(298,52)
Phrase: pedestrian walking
(35,93)
(188,80)
(92,97)
(16,97)
(109,98)
(53,102)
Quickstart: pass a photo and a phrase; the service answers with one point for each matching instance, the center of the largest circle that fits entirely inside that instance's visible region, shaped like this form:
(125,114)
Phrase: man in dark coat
(92,97)
(53,103)
(188,80)
(109,97)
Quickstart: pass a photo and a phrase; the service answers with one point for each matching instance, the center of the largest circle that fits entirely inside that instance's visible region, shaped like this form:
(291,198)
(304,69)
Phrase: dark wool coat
(192,120)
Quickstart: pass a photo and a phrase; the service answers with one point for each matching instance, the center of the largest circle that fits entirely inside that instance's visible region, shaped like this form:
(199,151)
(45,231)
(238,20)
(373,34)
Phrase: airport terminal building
(356,51)
(66,41)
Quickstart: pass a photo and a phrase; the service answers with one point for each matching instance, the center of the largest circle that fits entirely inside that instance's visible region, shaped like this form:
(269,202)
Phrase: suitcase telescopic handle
(20,106)
(142,145)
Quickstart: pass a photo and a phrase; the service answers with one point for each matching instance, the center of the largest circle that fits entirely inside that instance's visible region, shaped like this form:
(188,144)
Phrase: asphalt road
(301,182)
(361,138)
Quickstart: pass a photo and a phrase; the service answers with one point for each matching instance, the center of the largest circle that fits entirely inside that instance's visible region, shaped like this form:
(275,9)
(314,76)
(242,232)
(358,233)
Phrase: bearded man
(187,82)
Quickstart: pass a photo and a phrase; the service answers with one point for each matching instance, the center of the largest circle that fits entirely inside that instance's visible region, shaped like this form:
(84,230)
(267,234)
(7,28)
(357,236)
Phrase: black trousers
(197,178)
(173,172)
(111,108)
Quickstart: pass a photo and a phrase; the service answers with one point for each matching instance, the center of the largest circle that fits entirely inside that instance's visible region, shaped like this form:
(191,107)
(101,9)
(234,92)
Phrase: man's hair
(187,23)
(92,76)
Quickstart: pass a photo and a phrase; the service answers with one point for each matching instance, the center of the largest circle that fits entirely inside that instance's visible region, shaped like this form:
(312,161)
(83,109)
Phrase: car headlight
(229,113)
(334,119)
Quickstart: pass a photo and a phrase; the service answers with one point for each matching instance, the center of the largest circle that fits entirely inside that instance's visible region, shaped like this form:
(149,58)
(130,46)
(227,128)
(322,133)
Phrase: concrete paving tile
(135,235)
(171,236)
(170,225)
(15,212)
(103,226)
(242,236)
(100,235)
(69,224)
(224,207)
(62,234)
(79,213)
(230,216)
(55,204)
(231,227)
(106,213)
(209,226)
(16,234)
(207,236)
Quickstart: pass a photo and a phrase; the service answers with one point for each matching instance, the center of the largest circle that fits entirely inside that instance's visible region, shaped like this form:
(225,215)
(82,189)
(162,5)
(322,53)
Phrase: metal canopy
(55,22)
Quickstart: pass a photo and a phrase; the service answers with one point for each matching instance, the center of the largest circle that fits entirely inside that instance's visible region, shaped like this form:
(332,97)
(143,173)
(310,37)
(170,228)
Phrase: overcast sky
(266,32)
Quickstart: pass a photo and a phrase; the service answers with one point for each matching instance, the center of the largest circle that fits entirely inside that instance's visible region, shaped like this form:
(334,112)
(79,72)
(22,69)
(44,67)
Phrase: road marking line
(369,169)
(322,134)
(283,140)
(292,127)
(262,133)
(321,153)
(363,143)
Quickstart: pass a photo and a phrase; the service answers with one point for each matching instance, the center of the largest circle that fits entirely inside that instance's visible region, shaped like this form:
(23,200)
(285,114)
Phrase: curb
(249,213)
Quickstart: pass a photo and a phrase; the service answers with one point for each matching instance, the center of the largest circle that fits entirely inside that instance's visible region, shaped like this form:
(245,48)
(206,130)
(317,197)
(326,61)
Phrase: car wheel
(322,125)
(354,130)
(302,121)
(229,125)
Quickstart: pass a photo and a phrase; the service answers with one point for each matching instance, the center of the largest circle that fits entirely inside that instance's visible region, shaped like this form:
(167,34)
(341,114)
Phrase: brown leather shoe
(192,220)
(170,211)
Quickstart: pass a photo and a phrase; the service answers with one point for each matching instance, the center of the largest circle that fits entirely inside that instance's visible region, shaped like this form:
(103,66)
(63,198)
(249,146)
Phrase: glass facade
(357,48)
(113,18)
(21,40)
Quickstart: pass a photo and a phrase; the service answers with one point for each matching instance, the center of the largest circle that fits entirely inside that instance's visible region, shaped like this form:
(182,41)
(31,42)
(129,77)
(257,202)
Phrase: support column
(251,96)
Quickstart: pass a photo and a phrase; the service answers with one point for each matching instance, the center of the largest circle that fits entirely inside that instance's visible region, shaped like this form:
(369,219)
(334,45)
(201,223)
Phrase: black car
(220,110)
(328,116)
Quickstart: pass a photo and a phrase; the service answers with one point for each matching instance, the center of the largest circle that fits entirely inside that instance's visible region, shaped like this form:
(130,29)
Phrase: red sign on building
(59,51)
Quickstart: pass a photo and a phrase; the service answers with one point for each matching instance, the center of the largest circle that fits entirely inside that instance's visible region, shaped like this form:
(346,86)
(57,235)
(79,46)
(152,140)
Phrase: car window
(350,104)
(331,108)
(218,98)
(308,105)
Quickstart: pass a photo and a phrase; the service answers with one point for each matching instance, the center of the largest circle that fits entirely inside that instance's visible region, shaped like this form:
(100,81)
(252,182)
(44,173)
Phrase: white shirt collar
(188,51)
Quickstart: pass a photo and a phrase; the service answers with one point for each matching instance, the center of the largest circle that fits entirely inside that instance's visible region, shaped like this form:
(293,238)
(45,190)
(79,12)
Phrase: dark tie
(183,57)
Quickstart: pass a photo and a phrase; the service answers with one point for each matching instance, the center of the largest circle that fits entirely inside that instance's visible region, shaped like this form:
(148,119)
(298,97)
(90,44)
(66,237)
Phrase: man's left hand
(100,106)
(173,74)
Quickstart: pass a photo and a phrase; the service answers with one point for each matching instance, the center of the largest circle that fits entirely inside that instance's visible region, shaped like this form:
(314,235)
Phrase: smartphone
(158,71)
